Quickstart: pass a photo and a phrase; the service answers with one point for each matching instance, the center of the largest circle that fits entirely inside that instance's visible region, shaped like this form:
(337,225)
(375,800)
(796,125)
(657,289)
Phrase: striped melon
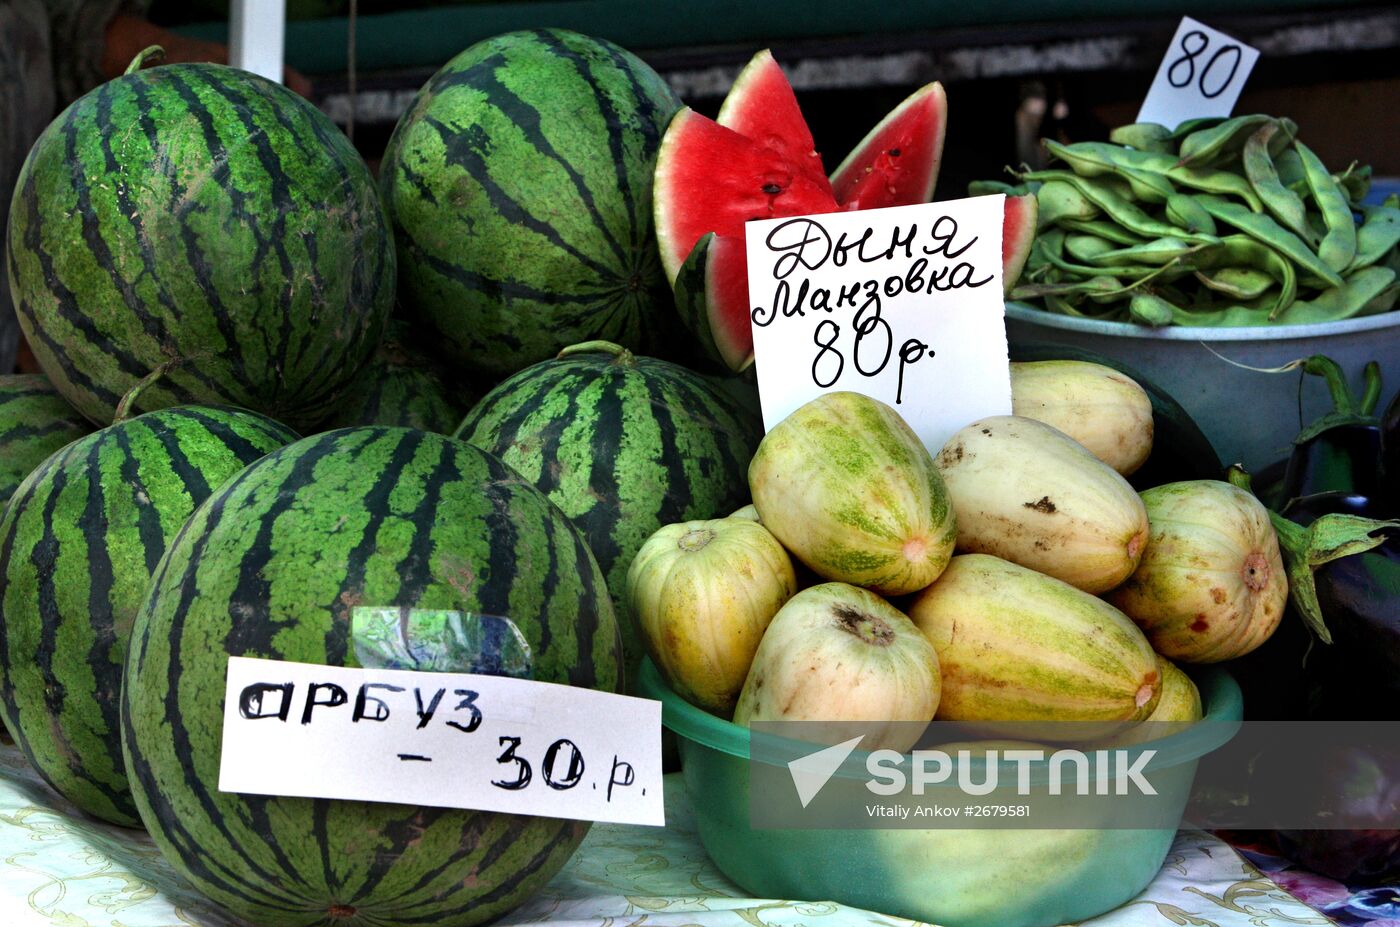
(272,566)
(77,547)
(623,445)
(35,421)
(206,226)
(1019,649)
(519,185)
(403,387)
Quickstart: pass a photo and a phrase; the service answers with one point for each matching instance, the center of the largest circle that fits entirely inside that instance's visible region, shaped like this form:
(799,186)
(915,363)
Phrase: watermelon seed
(894,152)
(772,189)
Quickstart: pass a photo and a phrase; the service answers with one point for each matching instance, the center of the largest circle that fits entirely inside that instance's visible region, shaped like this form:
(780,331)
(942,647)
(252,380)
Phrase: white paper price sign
(1202,74)
(901,304)
(450,740)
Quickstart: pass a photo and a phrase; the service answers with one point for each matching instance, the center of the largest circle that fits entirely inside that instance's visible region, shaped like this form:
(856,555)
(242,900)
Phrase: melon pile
(512,360)
(1014,581)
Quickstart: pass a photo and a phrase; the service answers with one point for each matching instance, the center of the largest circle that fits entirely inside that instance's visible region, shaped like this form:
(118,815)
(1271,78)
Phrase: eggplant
(1390,454)
(1340,452)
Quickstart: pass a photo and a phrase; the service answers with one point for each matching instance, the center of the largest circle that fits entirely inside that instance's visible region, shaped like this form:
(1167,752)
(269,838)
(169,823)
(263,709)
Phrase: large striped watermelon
(623,444)
(403,387)
(205,224)
(78,545)
(272,566)
(519,184)
(35,421)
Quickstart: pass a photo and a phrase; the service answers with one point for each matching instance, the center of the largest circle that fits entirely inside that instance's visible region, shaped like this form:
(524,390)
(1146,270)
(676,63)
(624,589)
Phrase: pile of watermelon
(515,356)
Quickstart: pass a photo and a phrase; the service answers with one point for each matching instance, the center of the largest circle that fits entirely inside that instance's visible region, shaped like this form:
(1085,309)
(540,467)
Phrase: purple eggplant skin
(1357,784)
(1360,598)
(1341,459)
(1390,454)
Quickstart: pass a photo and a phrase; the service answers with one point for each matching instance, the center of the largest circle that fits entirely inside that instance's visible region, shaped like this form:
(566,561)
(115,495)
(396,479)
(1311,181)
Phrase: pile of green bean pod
(1220,222)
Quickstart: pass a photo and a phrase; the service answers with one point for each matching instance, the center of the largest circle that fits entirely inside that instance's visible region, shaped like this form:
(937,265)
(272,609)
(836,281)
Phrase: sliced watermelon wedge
(1017,236)
(758,161)
(896,164)
(762,107)
(712,179)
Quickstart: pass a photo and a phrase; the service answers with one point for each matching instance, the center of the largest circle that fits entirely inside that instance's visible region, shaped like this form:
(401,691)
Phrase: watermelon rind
(519,187)
(623,444)
(78,545)
(1017,237)
(869,152)
(35,421)
(273,566)
(205,223)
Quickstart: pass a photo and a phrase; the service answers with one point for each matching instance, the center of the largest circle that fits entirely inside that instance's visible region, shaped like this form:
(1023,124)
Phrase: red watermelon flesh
(762,107)
(758,161)
(1017,236)
(712,179)
(896,164)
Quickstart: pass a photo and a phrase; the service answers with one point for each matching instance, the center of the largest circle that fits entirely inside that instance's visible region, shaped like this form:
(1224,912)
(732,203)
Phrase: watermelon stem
(129,399)
(149,53)
(622,356)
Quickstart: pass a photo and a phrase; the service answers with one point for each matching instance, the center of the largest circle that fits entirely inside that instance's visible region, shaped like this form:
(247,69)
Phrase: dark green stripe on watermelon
(519,186)
(273,566)
(78,545)
(205,221)
(35,421)
(404,388)
(623,445)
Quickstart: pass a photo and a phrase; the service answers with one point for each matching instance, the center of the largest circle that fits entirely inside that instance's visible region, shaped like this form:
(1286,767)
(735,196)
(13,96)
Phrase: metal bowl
(1250,416)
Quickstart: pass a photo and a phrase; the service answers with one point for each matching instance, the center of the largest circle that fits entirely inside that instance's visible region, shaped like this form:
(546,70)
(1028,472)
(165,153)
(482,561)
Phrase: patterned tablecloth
(58,869)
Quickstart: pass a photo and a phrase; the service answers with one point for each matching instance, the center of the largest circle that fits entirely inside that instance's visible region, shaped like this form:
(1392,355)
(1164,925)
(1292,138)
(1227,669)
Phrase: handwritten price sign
(1202,74)
(448,740)
(901,304)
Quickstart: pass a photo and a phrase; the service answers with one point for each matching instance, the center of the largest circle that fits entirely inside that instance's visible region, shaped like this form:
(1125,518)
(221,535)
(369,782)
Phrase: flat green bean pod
(1144,136)
(1220,143)
(1104,158)
(1243,251)
(1101,194)
(1191,126)
(1378,235)
(1343,302)
(1266,230)
(1236,282)
(1338,247)
(1156,253)
(1290,170)
(1151,309)
(1285,205)
(1083,247)
(1057,200)
(988,187)
(1184,212)
(1356,181)
(1101,229)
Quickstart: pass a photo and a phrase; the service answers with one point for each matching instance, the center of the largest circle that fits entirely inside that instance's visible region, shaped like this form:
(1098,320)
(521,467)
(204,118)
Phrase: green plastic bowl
(957,878)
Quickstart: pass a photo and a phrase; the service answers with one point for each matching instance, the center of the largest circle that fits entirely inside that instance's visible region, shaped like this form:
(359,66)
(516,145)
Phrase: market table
(60,869)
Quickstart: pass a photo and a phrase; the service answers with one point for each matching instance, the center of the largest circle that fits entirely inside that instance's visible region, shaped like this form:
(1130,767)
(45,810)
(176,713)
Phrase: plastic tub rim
(1023,312)
(1220,694)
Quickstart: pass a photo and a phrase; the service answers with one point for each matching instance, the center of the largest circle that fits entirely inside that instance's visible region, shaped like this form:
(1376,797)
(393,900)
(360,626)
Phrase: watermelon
(519,185)
(757,161)
(403,387)
(272,566)
(623,445)
(35,421)
(206,228)
(78,545)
